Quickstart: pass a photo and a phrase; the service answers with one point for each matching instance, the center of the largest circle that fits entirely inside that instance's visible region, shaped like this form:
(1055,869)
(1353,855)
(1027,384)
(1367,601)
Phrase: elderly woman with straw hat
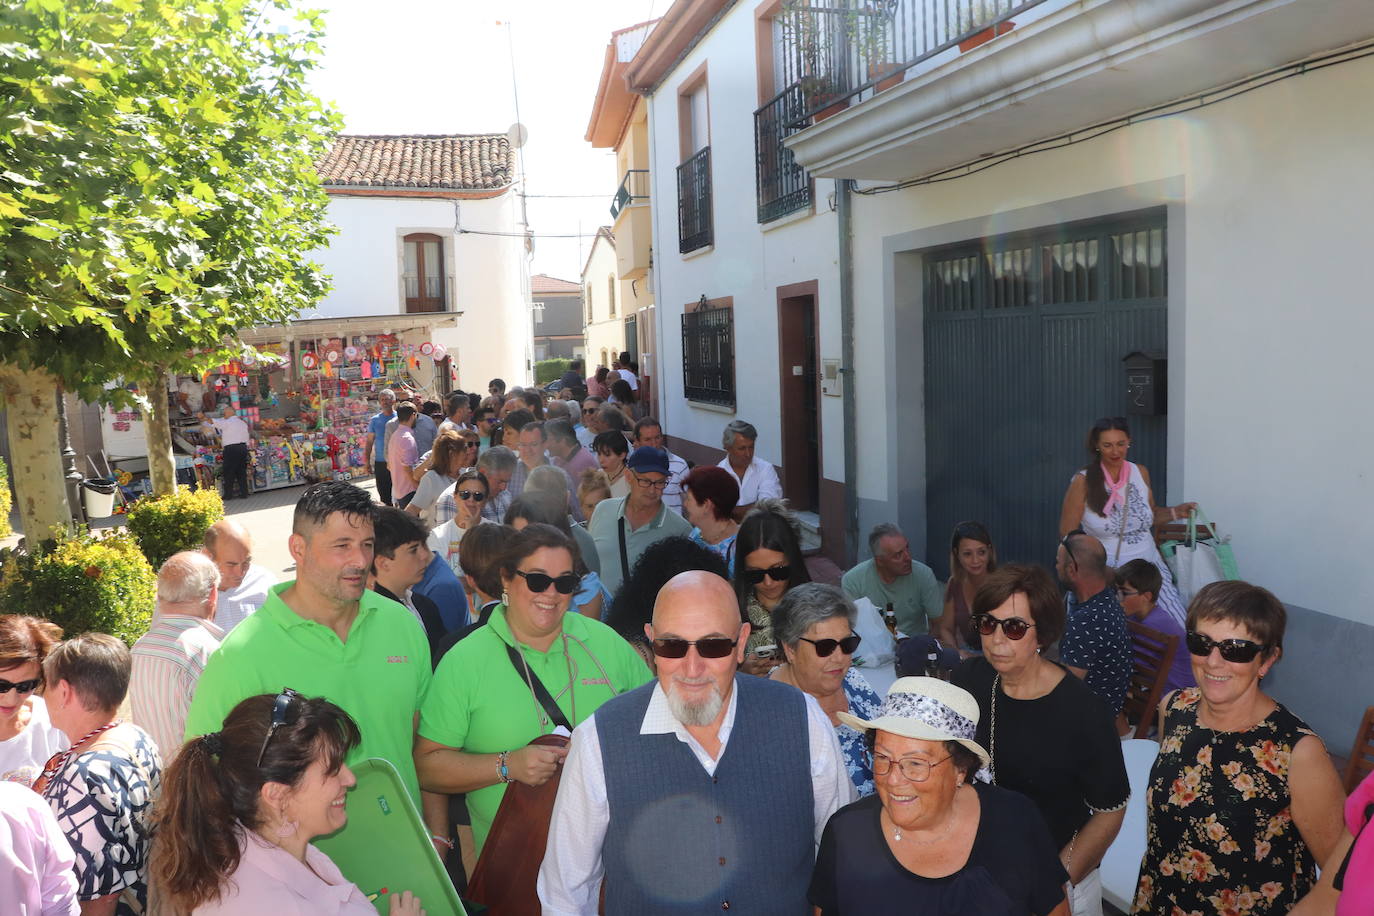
(933,840)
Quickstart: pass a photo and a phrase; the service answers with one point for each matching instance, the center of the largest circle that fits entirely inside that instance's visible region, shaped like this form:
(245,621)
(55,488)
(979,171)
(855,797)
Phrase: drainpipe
(844,212)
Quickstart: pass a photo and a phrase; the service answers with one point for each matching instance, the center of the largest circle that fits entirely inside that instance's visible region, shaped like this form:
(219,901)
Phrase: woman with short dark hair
(1048,736)
(611,451)
(709,497)
(242,804)
(1243,800)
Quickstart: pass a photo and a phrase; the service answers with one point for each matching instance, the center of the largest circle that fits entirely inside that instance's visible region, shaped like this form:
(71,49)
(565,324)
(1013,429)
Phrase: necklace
(529,682)
(992,731)
(59,760)
(949,826)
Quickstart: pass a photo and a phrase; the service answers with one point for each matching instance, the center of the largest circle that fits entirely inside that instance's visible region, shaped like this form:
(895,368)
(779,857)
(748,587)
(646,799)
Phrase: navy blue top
(1096,640)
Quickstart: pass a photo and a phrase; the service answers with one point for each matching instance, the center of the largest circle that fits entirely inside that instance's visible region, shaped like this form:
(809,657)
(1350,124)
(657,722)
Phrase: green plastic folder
(385,844)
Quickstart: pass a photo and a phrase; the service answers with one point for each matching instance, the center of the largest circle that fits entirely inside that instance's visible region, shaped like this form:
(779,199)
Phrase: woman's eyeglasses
(538,582)
(475,495)
(1232,650)
(710,647)
(24,687)
(776,573)
(826,647)
(1013,627)
(280,706)
(912,768)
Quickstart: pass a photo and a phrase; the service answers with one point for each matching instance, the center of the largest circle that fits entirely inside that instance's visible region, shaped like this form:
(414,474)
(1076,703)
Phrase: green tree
(157,193)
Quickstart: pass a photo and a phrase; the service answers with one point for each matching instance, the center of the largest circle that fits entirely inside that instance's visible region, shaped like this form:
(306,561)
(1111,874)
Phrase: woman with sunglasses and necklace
(1048,736)
(934,840)
(768,562)
(469,495)
(484,706)
(814,625)
(27,736)
(1243,801)
(240,806)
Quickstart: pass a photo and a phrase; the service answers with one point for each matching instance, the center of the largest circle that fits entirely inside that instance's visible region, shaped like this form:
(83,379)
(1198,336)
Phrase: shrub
(167,524)
(546,370)
(6,500)
(83,584)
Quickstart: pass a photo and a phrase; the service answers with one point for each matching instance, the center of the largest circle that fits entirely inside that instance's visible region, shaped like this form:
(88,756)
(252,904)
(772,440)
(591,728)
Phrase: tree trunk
(157,430)
(36,460)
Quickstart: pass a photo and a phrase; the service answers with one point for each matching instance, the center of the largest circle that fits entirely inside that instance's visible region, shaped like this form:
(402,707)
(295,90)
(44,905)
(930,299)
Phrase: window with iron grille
(708,352)
(694,202)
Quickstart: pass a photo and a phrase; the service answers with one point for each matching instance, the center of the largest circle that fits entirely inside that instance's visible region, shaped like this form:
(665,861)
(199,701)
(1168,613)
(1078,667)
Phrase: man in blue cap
(623,527)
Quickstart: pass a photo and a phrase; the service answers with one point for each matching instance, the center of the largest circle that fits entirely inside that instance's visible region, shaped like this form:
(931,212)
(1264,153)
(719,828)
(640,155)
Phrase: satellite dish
(518,135)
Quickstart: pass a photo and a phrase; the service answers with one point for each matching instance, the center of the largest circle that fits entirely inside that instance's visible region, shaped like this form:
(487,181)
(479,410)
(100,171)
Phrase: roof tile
(465,162)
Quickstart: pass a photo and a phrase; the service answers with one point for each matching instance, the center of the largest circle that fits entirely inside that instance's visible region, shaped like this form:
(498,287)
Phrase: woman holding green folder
(240,806)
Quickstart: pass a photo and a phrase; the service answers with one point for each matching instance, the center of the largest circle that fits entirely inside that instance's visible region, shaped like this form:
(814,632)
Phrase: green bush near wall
(168,524)
(547,370)
(83,584)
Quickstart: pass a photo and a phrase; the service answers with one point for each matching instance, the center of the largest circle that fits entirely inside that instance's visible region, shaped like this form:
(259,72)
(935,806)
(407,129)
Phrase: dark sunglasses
(1233,650)
(777,573)
(539,582)
(279,709)
(826,647)
(475,495)
(22,686)
(710,647)
(1013,627)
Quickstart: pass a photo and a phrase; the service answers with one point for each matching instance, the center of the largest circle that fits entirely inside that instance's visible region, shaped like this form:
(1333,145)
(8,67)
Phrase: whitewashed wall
(749,261)
(602,332)
(487,276)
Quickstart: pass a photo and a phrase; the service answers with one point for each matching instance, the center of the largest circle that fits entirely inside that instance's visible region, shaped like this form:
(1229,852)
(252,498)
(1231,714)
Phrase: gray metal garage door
(1024,336)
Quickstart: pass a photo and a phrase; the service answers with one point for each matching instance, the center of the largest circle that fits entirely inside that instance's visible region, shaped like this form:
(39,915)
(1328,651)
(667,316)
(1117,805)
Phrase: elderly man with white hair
(757,478)
(168,659)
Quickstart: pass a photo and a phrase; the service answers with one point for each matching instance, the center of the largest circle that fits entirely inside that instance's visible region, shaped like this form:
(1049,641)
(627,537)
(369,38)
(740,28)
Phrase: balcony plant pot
(836,105)
(985,36)
(892,78)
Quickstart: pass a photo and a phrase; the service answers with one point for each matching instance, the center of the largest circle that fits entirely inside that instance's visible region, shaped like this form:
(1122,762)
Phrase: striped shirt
(167,662)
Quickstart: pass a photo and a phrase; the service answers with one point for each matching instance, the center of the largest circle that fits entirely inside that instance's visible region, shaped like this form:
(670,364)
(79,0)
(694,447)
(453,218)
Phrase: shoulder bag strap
(1121,532)
(541,693)
(624,554)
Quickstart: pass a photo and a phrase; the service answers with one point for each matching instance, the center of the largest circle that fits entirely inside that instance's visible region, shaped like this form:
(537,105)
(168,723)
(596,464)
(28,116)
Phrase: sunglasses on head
(538,582)
(709,647)
(279,709)
(1232,650)
(474,495)
(1013,627)
(28,686)
(781,573)
(826,647)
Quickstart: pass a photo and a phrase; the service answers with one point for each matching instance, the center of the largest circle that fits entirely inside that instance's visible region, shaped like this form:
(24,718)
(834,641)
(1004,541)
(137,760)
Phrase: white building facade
(1152,210)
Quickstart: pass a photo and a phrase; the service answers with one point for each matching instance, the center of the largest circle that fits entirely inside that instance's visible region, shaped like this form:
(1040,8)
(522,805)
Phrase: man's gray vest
(681,841)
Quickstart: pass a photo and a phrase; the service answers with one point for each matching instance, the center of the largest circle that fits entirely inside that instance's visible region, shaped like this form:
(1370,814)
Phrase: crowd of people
(550,612)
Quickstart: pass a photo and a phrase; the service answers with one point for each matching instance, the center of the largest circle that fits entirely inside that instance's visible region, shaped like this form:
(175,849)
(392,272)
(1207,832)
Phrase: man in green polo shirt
(893,577)
(643,516)
(326,635)
(483,711)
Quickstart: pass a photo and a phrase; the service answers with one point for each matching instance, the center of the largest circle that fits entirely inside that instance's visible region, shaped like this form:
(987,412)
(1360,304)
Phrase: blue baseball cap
(644,460)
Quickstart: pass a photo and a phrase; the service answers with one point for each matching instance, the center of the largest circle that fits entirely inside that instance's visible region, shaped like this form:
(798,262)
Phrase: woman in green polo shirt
(483,707)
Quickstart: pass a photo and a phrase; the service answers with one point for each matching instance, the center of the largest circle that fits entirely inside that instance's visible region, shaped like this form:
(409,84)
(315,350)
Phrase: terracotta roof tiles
(464,162)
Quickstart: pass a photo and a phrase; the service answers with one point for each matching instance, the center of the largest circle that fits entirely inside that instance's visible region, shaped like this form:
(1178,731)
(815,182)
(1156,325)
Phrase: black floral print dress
(1221,839)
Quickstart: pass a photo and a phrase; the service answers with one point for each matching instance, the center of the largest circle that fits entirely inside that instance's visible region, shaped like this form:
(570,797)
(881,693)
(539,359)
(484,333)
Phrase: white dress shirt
(760,481)
(235,604)
(232,430)
(629,376)
(570,877)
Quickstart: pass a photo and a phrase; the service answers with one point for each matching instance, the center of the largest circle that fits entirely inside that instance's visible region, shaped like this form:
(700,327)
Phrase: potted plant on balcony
(976,14)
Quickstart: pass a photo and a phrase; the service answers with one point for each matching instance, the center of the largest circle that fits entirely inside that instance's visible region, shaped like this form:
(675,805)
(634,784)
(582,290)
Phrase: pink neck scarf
(1116,492)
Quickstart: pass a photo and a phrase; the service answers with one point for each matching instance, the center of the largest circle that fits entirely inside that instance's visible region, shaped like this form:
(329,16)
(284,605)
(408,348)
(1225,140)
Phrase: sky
(446,66)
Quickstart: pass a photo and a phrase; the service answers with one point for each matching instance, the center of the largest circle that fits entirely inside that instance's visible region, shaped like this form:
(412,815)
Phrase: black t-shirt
(1012,870)
(1061,750)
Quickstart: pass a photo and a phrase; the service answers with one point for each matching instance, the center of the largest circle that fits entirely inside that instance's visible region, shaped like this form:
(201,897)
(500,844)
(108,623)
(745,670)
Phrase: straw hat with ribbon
(928,709)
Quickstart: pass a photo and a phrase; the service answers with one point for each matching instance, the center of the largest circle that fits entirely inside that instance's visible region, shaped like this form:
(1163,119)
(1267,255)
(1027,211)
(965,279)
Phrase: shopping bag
(1202,558)
(877,648)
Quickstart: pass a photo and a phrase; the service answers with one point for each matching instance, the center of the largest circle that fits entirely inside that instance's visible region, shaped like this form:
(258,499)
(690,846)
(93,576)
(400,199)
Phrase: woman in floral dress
(1242,800)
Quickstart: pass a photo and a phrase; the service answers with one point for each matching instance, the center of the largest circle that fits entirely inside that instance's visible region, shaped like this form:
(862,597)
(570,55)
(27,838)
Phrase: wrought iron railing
(694,202)
(782,185)
(634,186)
(708,355)
(837,49)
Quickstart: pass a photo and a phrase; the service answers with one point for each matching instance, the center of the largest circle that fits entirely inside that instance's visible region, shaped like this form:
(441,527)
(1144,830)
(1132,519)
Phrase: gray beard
(702,712)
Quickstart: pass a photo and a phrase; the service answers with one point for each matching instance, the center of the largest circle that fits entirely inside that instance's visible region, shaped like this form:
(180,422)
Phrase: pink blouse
(271,880)
(1357,894)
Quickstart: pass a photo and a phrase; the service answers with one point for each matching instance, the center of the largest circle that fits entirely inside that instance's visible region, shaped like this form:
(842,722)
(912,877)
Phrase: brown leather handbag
(505,874)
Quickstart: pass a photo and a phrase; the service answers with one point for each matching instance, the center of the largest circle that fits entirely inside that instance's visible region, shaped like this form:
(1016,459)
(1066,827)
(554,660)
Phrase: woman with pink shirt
(240,806)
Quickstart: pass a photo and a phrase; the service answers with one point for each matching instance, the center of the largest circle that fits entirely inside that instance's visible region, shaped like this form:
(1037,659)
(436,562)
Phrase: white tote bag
(877,649)
(1203,558)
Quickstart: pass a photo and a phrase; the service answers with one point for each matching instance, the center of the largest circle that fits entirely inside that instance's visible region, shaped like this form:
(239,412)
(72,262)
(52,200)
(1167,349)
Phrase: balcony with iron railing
(694,225)
(783,187)
(903,89)
(634,189)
